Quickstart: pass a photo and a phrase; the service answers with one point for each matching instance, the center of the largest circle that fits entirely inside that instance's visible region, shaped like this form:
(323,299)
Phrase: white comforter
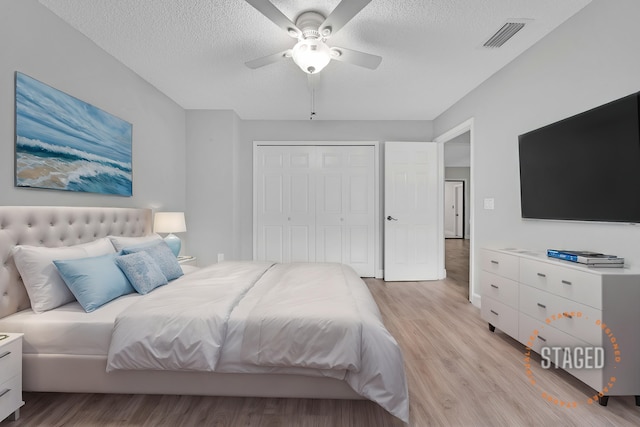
(296,317)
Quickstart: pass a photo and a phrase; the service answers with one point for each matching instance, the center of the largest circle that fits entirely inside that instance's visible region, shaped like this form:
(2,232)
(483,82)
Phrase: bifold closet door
(285,204)
(316,203)
(345,207)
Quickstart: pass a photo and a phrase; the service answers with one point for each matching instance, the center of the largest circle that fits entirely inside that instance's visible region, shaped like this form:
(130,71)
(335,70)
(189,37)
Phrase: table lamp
(170,222)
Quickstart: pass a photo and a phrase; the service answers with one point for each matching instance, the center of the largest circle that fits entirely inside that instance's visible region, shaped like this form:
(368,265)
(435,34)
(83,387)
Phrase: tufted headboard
(54,226)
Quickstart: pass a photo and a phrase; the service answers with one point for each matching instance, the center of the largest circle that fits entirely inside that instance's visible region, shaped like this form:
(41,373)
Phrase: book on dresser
(591,259)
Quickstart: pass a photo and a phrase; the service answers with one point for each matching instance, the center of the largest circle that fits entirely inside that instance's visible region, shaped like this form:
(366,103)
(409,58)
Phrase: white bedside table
(10,376)
(188,260)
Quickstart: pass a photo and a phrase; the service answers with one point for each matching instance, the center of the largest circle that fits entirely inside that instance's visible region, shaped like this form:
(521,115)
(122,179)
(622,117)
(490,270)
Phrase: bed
(255,304)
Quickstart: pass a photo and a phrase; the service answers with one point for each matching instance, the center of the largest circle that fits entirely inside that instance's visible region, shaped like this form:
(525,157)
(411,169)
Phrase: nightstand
(10,376)
(188,260)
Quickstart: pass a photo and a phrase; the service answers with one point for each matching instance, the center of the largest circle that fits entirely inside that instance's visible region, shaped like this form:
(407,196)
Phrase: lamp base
(174,243)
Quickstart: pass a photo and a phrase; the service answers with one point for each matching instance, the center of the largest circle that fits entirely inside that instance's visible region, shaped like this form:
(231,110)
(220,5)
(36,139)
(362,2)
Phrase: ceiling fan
(312,29)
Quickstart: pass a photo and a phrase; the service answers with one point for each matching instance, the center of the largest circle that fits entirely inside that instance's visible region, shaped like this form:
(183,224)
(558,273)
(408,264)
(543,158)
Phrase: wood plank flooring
(456,263)
(459,374)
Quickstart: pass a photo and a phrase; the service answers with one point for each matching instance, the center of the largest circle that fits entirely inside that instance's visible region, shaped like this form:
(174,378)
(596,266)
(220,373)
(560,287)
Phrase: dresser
(10,376)
(543,302)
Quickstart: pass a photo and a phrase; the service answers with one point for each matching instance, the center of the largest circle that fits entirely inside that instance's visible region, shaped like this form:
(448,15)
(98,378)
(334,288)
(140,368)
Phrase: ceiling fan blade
(269,59)
(276,16)
(355,57)
(344,11)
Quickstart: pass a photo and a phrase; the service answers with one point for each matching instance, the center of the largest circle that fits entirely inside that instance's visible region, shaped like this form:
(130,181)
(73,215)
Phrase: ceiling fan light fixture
(312,29)
(311,55)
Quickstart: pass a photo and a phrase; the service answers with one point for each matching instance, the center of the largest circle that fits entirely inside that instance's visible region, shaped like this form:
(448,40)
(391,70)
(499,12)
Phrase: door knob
(390,218)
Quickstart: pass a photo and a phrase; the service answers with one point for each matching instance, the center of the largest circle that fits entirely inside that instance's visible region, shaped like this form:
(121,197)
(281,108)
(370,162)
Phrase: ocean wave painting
(64,143)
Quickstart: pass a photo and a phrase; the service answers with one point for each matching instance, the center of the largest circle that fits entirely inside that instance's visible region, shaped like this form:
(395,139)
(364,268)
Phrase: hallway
(456,262)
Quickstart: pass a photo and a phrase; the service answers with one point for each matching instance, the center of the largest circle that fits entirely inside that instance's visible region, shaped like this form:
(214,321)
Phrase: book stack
(590,259)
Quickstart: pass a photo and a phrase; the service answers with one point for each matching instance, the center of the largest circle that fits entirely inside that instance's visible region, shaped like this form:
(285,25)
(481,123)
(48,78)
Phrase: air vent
(507,31)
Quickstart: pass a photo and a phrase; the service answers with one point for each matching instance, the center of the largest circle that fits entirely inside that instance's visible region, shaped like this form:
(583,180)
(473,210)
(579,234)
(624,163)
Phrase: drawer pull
(541,338)
(542,275)
(493,261)
(6,353)
(5,391)
(494,312)
(494,286)
(542,305)
(566,282)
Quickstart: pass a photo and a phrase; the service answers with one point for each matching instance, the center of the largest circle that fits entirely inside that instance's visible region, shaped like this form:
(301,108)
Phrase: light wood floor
(459,374)
(456,262)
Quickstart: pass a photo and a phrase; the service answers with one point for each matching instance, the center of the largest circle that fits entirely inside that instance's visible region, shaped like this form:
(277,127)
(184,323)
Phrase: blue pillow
(143,272)
(94,281)
(162,255)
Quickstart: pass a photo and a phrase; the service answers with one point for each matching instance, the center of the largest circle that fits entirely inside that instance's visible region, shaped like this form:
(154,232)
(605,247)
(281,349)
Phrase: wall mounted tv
(585,167)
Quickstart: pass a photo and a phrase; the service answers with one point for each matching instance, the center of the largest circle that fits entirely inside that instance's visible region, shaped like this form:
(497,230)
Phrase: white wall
(589,60)
(36,42)
(212,152)
(457,151)
(212,174)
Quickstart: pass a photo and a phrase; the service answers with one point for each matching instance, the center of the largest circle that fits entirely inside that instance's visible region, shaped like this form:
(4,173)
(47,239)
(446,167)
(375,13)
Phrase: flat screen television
(585,167)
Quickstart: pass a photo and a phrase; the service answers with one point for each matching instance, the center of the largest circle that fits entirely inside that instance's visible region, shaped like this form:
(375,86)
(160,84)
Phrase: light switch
(488,204)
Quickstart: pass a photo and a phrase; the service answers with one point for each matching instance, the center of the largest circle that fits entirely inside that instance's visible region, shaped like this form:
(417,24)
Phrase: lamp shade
(169,222)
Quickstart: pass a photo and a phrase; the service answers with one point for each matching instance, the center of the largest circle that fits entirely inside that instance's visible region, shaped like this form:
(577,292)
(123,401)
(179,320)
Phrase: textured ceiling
(194,52)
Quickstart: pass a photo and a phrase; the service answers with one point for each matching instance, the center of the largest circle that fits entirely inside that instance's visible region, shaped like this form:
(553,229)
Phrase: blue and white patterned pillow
(162,255)
(142,271)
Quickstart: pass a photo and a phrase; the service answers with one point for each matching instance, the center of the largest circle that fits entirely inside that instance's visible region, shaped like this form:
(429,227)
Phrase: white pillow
(43,283)
(98,247)
(120,242)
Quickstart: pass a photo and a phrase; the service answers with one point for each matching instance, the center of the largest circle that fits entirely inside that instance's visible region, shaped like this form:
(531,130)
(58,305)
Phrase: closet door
(345,203)
(285,204)
(315,203)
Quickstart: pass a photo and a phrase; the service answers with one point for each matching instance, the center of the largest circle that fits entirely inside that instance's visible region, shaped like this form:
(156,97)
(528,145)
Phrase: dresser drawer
(571,282)
(10,359)
(10,396)
(543,305)
(499,263)
(499,288)
(500,315)
(551,337)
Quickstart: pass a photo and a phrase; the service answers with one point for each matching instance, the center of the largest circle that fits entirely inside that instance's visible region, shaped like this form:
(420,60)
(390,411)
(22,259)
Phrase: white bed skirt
(87,374)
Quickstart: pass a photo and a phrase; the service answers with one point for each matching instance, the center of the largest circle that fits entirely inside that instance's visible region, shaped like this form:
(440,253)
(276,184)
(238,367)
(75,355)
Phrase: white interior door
(285,204)
(449,209)
(345,207)
(411,217)
(459,211)
(453,209)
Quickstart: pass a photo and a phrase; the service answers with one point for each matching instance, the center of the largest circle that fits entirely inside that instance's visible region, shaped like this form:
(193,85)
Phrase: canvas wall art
(64,143)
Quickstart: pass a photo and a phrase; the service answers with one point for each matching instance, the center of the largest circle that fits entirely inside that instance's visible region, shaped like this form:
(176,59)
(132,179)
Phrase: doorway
(454,209)
(457,239)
